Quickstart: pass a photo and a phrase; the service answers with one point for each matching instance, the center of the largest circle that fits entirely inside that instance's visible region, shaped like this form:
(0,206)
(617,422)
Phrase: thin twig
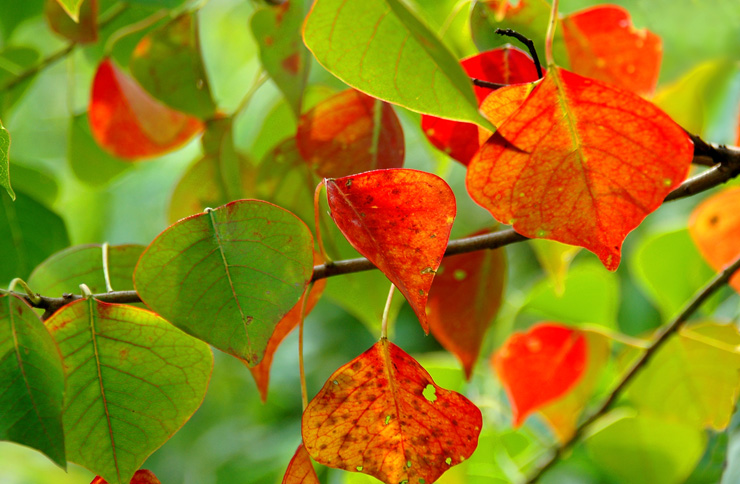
(660,339)
(487,84)
(528,43)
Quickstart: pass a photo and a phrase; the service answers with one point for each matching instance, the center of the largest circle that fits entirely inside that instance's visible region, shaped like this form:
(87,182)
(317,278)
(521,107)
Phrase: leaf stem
(33,298)
(301,367)
(317,221)
(659,340)
(132,29)
(551,34)
(106,267)
(386,312)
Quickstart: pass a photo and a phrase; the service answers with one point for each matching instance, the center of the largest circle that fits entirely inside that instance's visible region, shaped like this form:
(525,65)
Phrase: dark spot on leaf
(713,220)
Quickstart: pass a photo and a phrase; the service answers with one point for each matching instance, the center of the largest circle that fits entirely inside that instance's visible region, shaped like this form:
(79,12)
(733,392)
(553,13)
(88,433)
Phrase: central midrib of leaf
(395,393)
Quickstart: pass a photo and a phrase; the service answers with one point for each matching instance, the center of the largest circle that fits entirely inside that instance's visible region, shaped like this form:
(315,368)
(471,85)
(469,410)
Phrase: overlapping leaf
(72,7)
(540,366)
(132,381)
(555,259)
(345,134)
(31,381)
(142,476)
(228,276)
(463,301)
(580,162)
(381,414)
(83,30)
(5,161)
(505,65)
(400,220)
(381,48)
(300,470)
(126,121)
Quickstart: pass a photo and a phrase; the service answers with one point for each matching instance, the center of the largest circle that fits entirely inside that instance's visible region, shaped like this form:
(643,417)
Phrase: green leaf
(72,7)
(132,381)
(5,161)
(277,30)
(89,162)
(29,233)
(646,450)
(382,49)
(692,379)
(31,381)
(555,259)
(229,275)
(40,185)
(15,60)
(168,64)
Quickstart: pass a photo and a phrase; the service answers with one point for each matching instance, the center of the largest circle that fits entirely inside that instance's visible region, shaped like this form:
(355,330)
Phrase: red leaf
(464,299)
(400,220)
(126,121)
(603,44)
(300,470)
(580,162)
(84,31)
(505,65)
(142,476)
(715,228)
(539,366)
(337,136)
(381,414)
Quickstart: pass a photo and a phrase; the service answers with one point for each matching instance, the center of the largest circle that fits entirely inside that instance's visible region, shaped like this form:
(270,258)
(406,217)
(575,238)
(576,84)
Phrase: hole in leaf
(448,461)
(459,275)
(387,419)
(408,463)
(430,393)
(359,468)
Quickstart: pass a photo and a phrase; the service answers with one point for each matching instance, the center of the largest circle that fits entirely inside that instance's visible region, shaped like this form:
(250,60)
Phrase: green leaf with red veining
(133,380)
(400,220)
(229,275)
(463,302)
(31,381)
(381,414)
(504,65)
(580,162)
(345,134)
(142,476)
(300,470)
(127,122)
(84,30)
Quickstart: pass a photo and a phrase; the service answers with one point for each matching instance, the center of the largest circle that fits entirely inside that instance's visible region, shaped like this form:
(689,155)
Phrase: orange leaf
(142,476)
(580,162)
(505,65)
(603,44)
(337,137)
(127,122)
(715,228)
(400,220)
(381,414)
(464,299)
(539,366)
(300,470)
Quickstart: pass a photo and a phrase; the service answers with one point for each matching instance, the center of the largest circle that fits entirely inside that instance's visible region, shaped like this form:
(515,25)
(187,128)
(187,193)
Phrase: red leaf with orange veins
(338,136)
(142,476)
(715,228)
(603,44)
(261,371)
(400,220)
(505,65)
(464,299)
(540,366)
(581,162)
(300,470)
(381,414)
(127,122)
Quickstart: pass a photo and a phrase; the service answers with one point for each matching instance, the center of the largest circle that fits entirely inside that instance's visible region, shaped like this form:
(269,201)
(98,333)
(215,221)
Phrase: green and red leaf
(142,476)
(84,30)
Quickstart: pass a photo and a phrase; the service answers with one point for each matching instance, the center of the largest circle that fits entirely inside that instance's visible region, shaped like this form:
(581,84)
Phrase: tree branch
(660,339)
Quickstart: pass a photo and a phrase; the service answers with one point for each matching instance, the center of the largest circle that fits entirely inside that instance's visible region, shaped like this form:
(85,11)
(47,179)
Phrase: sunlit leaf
(89,162)
(126,121)
(555,259)
(132,381)
(277,30)
(72,7)
(31,381)
(344,135)
(504,65)
(580,162)
(300,470)
(463,301)
(715,228)
(400,220)
(168,64)
(142,476)
(381,48)
(228,276)
(381,414)
(603,44)
(5,161)
(83,30)
(540,366)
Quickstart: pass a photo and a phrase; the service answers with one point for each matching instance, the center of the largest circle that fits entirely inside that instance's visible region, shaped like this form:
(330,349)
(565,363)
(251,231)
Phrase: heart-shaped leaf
(540,366)
(31,381)
(381,414)
(381,48)
(5,161)
(580,162)
(142,476)
(400,220)
(229,275)
(126,121)
(300,470)
(132,381)
(345,134)
(83,30)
